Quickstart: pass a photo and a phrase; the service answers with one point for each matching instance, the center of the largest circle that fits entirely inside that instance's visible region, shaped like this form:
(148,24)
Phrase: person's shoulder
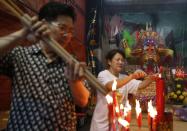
(17,49)
(29,49)
(33,48)
(104,72)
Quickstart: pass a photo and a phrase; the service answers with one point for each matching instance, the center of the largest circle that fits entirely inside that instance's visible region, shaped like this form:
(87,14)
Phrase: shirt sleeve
(104,77)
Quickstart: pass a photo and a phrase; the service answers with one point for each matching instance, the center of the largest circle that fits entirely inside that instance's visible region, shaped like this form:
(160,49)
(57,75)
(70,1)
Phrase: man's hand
(34,28)
(75,71)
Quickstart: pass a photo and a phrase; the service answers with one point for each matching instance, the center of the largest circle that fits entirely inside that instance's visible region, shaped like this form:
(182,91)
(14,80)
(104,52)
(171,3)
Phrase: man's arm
(122,81)
(80,93)
(39,28)
(8,42)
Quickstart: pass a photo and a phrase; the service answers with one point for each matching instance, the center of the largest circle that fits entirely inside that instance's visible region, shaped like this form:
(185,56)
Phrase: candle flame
(125,111)
(114,85)
(127,105)
(123,122)
(121,106)
(152,111)
(117,109)
(138,109)
(109,99)
(150,106)
(127,108)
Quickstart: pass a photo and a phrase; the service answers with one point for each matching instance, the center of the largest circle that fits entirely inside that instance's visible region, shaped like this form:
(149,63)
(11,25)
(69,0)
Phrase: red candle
(112,125)
(149,119)
(111,113)
(114,92)
(154,124)
(124,129)
(139,120)
(160,102)
(110,107)
(114,97)
(113,108)
(152,113)
(117,113)
(128,116)
(113,128)
(138,114)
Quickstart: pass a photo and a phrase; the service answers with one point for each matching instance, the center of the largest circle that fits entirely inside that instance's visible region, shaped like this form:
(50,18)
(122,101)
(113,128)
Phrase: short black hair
(52,10)
(112,53)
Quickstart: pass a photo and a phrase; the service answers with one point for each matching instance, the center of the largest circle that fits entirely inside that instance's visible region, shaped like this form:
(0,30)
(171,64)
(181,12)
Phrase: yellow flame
(123,122)
(127,105)
(152,111)
(109,99)
(114,85)
(125,111)
(121,106)
(150,106)
(138,109)
(117,109)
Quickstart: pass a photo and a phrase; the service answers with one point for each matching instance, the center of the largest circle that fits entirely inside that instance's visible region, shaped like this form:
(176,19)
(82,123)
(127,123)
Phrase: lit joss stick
(138,114)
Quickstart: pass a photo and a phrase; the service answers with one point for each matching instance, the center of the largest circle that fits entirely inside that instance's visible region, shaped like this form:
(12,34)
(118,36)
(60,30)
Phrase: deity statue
(149,50)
